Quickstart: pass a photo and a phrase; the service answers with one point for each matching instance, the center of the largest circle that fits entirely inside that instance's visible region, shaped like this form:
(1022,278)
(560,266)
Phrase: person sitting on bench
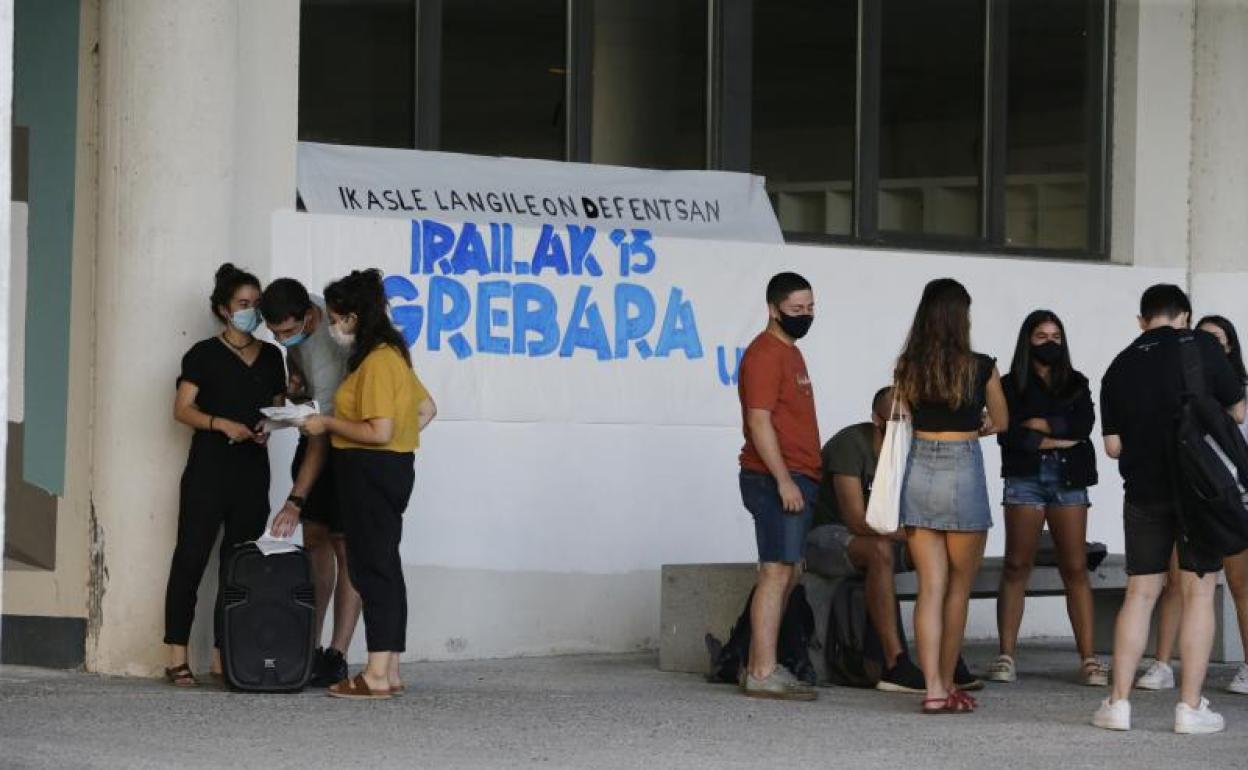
(842,544)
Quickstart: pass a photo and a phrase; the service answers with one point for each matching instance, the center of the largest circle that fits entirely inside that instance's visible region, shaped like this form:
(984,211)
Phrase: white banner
(450,187)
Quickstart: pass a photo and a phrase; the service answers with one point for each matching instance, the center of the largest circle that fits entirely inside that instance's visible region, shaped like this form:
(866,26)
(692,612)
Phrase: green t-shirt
(849,453)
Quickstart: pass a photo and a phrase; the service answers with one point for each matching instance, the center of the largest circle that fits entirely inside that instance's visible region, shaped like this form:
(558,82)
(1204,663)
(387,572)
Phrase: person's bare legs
(177,655)
(1171,615)
(321,557)
(347,602)
(1023,525)
(1196,639)
(966,551)
(1069,524)
(874,556)
(931,562)
(1131,630)
(775,581)
(377,671)
(396,680)
(1236,569)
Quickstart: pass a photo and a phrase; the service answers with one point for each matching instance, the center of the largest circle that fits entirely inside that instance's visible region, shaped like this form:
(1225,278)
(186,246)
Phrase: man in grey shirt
(317,366)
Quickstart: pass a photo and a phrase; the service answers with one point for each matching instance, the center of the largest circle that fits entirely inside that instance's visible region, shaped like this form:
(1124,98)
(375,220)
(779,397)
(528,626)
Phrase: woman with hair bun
(379,411)
(224,382)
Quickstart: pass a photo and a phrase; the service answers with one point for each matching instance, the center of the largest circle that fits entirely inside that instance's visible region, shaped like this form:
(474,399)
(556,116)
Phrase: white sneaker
(1201,721)
(1115,715)
(1002,669)
(1159,676)
(1239,685)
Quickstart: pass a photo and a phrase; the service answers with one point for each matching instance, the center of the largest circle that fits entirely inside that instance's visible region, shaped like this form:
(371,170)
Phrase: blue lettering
(726,377)
(585,328)
(631,327)
(580,240)
(436,242)
(408,318)
(550,252)
(470,252)
(680,328)
(534,309)
(444,319)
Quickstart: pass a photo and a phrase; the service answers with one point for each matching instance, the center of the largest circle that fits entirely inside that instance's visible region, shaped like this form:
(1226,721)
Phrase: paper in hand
(289,416)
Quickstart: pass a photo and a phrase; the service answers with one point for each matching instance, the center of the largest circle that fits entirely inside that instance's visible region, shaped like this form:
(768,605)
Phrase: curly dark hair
(362,293)
(228,280)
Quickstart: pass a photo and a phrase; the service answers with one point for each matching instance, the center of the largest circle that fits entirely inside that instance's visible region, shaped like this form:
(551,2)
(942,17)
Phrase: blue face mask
(246,320)
(296,338)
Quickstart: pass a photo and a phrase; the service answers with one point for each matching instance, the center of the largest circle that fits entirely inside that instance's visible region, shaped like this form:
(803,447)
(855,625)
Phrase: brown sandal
(357,689)
(181,676)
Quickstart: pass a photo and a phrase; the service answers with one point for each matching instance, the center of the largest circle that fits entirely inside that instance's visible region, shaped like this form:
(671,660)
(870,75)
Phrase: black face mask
(1048,354)
(795,326)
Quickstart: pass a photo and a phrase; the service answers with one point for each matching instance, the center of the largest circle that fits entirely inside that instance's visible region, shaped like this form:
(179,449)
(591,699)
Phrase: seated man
(841,543)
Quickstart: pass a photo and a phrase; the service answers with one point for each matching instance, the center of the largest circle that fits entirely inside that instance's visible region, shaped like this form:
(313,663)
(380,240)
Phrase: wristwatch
(297,500)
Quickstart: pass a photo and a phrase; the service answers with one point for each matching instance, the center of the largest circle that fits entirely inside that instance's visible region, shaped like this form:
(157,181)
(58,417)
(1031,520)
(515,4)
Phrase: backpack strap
(1192,368)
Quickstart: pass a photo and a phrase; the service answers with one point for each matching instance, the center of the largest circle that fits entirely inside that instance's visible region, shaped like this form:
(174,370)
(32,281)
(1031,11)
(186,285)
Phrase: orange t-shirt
(773,377)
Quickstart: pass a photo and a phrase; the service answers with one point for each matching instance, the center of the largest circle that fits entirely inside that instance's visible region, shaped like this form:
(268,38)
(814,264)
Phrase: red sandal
(962,699)
(948,705)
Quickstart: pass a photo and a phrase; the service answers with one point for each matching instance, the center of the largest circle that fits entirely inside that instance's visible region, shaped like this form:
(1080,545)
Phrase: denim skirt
(945,487)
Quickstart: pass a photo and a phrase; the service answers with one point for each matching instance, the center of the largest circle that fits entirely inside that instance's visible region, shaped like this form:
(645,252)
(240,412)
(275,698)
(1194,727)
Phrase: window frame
(729,95)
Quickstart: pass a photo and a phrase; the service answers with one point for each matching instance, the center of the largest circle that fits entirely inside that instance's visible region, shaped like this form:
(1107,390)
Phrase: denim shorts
(780,534)
(1045,488)
(945,488)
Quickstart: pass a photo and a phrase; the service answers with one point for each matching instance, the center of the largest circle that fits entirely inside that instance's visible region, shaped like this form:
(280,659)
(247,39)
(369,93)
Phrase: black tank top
(937,417)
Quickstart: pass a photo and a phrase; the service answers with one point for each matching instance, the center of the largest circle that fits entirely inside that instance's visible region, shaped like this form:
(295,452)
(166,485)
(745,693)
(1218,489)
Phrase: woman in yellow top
(379,411)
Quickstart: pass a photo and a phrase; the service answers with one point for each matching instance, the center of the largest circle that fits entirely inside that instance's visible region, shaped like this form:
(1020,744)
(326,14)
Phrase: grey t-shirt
(321,362)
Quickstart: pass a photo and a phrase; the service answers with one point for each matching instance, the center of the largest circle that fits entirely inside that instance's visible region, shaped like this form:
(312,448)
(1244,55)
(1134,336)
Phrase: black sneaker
(331,669)
(963,679)
(904,676)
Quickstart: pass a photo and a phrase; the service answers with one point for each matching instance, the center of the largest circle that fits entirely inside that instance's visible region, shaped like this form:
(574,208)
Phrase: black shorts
(1152,532)
(321,506)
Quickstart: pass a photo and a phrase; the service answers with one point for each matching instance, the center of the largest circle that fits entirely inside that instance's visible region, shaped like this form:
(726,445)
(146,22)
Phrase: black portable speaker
(267,615)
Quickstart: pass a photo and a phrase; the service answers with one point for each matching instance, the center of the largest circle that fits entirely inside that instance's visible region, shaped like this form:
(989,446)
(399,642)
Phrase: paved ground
(592,712)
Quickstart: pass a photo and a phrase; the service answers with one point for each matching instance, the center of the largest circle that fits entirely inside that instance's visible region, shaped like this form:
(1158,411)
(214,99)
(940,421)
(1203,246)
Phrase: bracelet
(210,419)
(297,500)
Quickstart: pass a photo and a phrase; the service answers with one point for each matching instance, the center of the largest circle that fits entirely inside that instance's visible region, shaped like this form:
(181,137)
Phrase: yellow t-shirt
(383,385)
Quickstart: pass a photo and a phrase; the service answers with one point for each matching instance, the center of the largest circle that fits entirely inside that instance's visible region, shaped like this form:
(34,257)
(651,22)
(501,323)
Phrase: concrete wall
(191,165)
(6,101)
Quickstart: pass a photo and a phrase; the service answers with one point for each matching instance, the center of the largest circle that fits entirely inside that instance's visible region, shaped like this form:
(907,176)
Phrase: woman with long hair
(379,411)
(224,382)
(1159,675)
(1048,463)
(955,398)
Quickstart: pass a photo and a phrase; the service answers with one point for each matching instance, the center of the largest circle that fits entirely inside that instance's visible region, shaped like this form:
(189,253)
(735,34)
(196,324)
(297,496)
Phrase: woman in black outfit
(1048,463)
(225,380)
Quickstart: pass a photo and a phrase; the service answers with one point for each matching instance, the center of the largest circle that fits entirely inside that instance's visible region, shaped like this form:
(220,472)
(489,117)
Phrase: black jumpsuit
(223,483)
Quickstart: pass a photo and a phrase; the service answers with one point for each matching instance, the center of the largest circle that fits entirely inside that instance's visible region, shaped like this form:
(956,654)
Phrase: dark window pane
(503,74)
(931,116)
(357,66)
(649,83)
(803,118)
(1047,130)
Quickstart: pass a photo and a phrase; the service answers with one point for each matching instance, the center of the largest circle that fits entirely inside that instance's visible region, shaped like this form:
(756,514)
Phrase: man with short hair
(779,473)
(317,367)
(1141,395)
(841,535)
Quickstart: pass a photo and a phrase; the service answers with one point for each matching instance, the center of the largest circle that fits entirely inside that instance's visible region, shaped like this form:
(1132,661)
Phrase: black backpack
(1211,465)
(852,649)
(792,648)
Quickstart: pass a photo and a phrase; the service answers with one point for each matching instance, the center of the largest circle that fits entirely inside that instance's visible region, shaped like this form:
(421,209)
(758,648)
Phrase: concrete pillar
(198,121)
(6,102)
(1219,175)
(1152,131)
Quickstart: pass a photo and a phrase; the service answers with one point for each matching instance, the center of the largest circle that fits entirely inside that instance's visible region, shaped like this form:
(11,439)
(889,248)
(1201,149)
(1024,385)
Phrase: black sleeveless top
(937,417)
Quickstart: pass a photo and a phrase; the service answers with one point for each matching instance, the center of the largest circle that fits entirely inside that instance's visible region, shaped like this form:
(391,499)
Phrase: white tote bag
(884,507)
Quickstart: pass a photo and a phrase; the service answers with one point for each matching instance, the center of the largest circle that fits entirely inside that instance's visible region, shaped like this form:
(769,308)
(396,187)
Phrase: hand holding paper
(289,416)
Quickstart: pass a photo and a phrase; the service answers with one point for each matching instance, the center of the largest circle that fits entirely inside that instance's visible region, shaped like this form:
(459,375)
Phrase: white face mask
(344,339)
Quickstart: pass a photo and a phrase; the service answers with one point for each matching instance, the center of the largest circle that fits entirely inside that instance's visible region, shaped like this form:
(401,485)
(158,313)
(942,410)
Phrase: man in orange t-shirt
(780,470)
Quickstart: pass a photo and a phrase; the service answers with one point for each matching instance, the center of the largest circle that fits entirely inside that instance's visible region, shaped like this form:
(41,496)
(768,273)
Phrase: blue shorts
(1044,489)
(945,488)
(780,535)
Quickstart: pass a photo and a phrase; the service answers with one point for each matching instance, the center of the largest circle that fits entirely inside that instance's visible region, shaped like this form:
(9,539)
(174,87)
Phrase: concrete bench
(697,599)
